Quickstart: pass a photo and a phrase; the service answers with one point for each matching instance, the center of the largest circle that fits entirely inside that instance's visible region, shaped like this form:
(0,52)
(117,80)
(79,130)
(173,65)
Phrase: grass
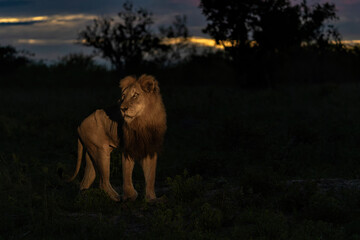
(239,149)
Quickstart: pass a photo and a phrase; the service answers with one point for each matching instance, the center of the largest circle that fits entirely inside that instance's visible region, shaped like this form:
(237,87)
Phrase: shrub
(185,188)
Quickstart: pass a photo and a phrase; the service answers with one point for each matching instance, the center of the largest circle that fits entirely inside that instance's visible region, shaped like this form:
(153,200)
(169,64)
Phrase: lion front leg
(149,167)
(127,167)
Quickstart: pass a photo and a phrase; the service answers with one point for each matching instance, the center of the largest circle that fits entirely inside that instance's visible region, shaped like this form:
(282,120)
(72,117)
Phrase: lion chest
(142,142)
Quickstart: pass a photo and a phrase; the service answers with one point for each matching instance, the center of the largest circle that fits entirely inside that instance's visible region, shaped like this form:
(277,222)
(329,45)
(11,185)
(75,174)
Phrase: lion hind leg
(103,163)
(89,173)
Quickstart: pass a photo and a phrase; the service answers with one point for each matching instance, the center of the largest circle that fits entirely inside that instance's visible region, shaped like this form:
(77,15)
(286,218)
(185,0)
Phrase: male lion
(138,131)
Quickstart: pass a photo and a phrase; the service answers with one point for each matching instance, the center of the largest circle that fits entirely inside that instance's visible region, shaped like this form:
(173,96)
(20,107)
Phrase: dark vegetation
(238,133)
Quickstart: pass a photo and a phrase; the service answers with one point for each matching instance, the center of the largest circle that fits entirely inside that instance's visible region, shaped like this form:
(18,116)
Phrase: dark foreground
(226,171)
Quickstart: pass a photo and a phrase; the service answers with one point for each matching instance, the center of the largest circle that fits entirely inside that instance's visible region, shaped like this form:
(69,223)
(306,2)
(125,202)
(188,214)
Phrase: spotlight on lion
(137,125)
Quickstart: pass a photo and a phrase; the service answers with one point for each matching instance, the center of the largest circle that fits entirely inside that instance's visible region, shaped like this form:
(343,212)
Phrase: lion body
(137,126)
(98,127)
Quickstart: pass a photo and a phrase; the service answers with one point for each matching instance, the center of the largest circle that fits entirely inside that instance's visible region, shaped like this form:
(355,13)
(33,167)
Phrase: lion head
(138,97)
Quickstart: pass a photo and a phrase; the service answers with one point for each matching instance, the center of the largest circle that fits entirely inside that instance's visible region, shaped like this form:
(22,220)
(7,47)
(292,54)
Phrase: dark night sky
(49,27)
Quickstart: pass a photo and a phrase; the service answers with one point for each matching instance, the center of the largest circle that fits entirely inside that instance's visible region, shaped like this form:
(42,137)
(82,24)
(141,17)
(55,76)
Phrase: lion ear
(148,83)
(126,82)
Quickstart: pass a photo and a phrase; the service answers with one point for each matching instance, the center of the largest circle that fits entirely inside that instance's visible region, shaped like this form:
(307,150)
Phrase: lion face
(132,102)
(136,95)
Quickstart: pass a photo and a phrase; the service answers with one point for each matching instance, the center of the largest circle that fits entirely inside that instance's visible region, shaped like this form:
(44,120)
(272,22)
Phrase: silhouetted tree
(315,27)
(230,21)
(272,24)
(277,25)
(125,43)
(11,59)
(281,25)
(266,34)
(129,42)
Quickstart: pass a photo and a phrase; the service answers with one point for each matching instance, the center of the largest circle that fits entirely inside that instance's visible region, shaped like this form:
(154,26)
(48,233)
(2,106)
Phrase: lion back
(98,130)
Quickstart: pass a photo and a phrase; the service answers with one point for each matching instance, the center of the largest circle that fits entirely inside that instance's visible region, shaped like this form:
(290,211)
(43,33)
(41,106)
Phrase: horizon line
(196,40)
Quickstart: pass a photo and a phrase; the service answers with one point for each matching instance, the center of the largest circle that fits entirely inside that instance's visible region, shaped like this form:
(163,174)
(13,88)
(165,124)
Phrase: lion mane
(136,125)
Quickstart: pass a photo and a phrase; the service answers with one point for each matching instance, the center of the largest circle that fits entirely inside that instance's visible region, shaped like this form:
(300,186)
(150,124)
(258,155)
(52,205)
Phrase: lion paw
(116,198)
(130,197)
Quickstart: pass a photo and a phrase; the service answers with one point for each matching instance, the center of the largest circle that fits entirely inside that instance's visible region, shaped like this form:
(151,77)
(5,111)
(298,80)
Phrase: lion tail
(78,164)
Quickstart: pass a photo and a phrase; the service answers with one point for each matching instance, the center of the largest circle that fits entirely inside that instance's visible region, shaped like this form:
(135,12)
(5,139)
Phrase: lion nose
(123,109)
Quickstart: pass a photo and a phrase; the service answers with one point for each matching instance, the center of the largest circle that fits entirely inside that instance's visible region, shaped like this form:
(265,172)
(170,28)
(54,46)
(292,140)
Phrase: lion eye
(135,95)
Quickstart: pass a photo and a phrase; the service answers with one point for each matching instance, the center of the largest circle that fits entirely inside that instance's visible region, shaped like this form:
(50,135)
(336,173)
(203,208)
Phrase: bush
(185,188)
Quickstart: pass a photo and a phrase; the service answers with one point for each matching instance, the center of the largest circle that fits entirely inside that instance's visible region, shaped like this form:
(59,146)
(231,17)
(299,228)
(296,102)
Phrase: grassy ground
(239,149)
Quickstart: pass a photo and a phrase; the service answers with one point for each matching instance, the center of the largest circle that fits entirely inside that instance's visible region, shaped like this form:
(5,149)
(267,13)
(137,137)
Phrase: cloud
(17,23)
(48,30)
(45,41)
(160,8)
(52,20)
(351,42)
(21,21)
(49,19)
